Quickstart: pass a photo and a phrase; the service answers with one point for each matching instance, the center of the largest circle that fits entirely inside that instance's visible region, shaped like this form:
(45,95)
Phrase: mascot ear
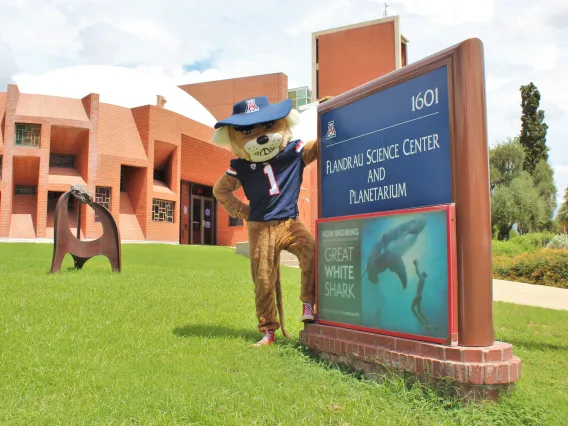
(293,119)
(221,136)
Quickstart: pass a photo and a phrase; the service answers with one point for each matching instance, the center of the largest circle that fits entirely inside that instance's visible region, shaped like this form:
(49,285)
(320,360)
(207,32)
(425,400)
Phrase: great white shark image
(388,251)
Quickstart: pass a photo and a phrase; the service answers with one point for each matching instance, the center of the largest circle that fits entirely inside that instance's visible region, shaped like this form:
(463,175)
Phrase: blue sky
(191,41)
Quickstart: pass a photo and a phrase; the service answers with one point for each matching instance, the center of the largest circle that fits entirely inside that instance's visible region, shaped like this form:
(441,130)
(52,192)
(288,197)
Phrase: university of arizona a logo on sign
(330,130)
(251,106)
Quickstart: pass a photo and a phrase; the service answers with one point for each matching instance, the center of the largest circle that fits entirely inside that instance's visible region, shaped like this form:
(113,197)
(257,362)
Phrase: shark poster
(387,273)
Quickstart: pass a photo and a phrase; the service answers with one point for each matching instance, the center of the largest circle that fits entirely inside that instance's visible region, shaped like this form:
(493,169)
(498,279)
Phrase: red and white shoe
(267,339)
(308,314)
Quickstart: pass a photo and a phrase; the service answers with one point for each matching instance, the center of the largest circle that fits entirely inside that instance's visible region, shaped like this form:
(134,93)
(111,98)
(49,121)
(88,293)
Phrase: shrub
(506,248)
(532,241)
(545,267)
(558,242)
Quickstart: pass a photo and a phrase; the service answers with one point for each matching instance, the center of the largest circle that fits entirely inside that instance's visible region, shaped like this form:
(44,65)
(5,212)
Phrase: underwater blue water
(387,305)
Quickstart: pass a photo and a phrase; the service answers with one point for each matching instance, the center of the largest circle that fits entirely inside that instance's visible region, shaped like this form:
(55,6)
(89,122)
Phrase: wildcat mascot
(269,168)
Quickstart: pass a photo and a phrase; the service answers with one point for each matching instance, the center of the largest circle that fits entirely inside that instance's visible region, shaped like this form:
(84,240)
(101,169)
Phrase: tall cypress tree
(533,128)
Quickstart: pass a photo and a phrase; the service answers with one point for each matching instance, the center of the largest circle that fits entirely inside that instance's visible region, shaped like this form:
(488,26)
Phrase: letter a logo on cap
(330,130)
(251,106)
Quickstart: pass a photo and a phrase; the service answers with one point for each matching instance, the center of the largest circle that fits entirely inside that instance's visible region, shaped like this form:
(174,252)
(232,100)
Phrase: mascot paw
(325,98)
(267,340)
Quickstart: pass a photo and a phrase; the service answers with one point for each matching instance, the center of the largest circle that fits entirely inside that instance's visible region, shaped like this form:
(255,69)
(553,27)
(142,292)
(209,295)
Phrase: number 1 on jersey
(274,190)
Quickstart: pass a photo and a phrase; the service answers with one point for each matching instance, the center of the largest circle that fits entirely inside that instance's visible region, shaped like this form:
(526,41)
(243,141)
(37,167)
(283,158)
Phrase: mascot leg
(295,238)
(264,258)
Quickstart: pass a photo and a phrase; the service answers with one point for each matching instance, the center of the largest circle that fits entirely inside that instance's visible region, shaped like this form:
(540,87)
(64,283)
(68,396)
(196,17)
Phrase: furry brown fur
(267,239)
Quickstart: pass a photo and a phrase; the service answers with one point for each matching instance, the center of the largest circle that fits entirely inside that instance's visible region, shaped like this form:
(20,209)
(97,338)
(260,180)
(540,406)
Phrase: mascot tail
(279,304)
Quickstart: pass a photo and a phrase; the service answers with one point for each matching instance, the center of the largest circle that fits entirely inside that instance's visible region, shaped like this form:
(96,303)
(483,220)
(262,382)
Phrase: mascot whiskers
(269,168)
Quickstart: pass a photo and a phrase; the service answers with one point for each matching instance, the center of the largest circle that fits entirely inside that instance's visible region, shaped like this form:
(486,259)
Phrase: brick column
(8,162)
(91,105)
(43,176)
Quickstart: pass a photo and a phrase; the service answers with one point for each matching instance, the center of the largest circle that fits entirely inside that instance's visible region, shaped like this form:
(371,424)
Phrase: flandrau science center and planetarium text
(385,228)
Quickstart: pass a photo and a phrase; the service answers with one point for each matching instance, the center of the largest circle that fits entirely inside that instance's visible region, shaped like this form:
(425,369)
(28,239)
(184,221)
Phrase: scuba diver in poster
(415,307)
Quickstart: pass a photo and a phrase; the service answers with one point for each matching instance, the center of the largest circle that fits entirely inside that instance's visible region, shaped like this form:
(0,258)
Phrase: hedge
(545,267)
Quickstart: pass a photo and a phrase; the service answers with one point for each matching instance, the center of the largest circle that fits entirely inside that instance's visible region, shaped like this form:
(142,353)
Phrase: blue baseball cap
(256,110)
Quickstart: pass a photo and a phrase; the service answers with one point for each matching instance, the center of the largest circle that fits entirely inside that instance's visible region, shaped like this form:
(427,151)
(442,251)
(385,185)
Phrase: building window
(52,198)
(122,189)
(160,174)
(162,211)
(300,97)
(102,196)
(28,134)
(235,221)
(58,160)
(202,190)
(26,190)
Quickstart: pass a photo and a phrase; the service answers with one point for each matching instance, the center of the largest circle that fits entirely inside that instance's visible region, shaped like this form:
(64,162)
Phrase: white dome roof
(120,86)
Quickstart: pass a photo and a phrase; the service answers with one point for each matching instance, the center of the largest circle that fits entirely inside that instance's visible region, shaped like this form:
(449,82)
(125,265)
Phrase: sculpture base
(471,373)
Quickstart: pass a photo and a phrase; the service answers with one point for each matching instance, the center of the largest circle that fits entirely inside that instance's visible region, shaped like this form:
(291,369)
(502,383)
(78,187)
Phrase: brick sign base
(473,373)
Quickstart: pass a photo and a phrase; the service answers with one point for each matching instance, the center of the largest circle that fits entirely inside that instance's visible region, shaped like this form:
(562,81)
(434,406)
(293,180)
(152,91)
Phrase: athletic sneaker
(308,313)
(267,339)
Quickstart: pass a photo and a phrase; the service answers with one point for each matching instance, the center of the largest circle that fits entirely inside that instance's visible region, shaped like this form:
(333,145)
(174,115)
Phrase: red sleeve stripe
(231,171)
(300,146)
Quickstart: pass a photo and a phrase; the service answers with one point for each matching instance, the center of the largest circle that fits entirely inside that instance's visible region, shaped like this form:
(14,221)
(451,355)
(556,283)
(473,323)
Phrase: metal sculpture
(65,242)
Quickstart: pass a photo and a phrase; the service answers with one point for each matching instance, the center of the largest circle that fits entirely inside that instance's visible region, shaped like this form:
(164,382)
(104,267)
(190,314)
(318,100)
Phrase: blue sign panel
(389,150)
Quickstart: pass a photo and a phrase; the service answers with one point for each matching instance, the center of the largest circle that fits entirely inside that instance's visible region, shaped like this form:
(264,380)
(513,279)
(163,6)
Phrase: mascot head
(257,131)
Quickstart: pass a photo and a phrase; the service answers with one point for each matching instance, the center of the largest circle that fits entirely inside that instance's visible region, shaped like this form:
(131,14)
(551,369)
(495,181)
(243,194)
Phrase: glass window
(26,190)
(28,134)
(162,211)
(235,221)
(57,160)
(102,196)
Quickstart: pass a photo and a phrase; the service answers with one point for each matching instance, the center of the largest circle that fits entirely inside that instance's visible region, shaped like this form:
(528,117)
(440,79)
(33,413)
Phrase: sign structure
(388,273)
(390,150)
(403,189)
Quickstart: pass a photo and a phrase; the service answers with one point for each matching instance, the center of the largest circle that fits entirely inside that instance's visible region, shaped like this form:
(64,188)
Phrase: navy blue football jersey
(272,187)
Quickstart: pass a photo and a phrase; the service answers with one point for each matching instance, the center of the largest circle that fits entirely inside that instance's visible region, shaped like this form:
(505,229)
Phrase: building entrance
(197,222)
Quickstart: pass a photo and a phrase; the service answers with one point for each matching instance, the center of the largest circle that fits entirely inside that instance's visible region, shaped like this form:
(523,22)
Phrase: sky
(191,41)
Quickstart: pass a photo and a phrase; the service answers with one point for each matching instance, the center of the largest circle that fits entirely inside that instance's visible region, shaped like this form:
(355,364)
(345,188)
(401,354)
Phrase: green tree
(505,162)
(514,195)
(543,177)
(533,128)
(562,215)
(518,203)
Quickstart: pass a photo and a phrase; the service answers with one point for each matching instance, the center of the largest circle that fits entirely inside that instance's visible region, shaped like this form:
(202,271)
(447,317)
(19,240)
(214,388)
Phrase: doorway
(201,220)
(197,224)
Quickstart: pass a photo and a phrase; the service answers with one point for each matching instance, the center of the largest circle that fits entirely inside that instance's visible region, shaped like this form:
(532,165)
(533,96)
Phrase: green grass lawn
(166,342)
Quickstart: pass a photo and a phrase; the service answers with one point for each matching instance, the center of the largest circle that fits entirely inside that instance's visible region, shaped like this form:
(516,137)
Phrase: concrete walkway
(530,294)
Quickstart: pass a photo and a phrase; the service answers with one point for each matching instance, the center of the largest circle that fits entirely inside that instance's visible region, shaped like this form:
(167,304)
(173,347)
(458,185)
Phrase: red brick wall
(135,184)
(366,53)
(220,96)
(2,118)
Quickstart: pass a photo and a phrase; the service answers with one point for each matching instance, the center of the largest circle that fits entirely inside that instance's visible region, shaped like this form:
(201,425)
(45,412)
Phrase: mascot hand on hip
(269,168)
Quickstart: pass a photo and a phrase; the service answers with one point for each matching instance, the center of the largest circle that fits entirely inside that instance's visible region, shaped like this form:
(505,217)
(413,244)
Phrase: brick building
(152,163)
(151,167)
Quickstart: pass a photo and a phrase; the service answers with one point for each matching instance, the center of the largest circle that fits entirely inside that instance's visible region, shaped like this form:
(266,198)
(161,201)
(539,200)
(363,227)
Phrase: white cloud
(452,12)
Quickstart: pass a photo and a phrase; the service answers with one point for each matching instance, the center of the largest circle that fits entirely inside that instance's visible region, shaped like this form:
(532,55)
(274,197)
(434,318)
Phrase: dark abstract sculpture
(65,242)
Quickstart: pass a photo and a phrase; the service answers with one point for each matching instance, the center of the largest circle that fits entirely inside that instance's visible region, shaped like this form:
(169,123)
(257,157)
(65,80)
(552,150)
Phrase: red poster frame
(452,283)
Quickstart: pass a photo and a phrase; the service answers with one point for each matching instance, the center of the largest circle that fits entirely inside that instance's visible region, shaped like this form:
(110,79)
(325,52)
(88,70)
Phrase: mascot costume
(269,168)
